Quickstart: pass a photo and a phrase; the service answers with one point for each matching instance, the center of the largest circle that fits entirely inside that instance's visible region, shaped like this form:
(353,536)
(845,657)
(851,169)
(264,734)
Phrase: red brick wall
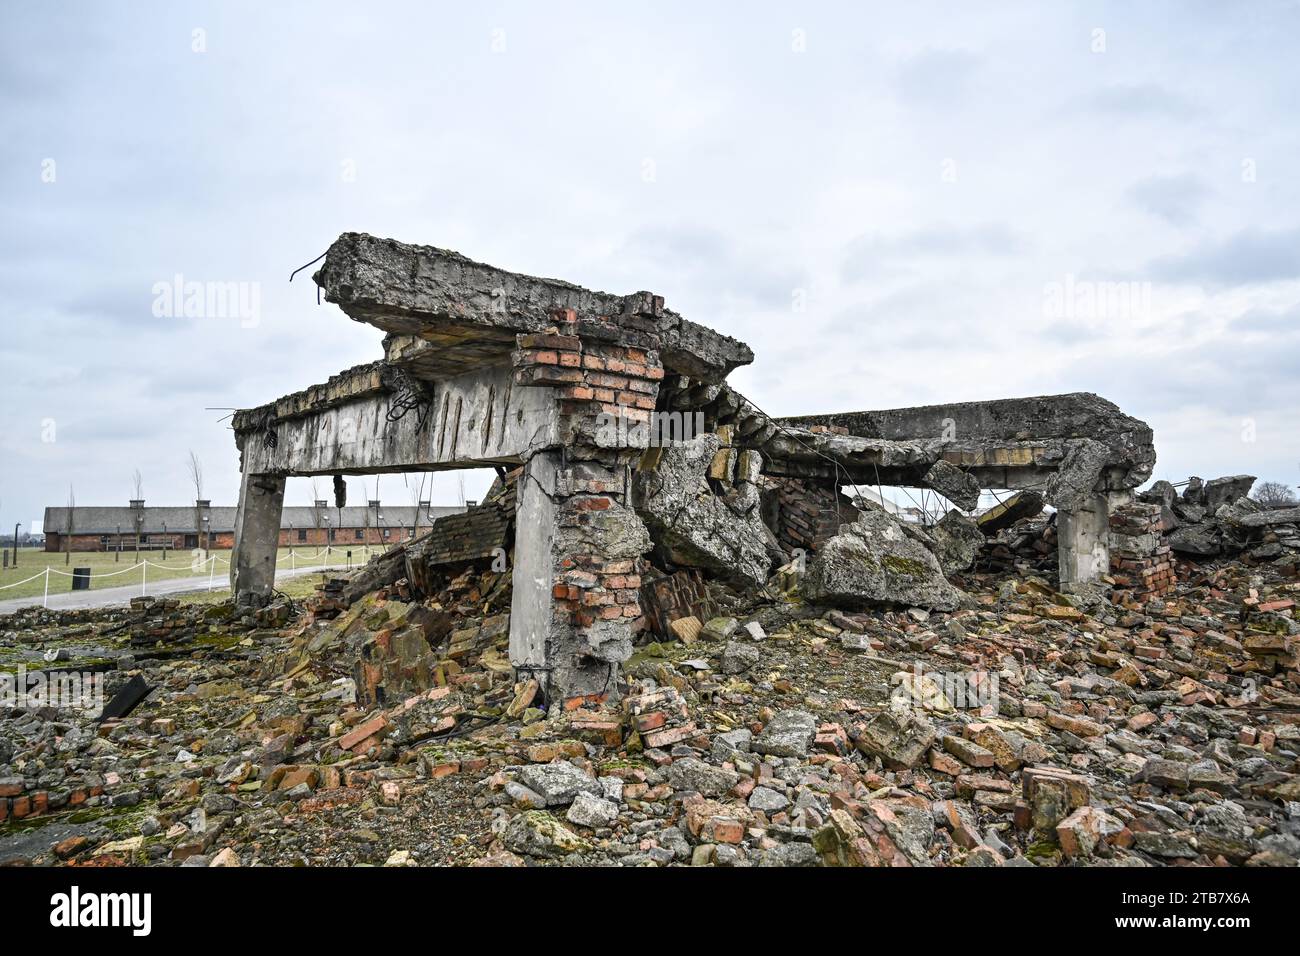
(225,540)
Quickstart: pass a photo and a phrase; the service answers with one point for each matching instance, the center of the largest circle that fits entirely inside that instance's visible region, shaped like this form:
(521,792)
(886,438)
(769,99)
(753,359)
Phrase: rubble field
(1021,726)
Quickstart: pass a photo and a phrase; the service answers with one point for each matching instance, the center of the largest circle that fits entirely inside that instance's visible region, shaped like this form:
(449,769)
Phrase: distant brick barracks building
(202,526)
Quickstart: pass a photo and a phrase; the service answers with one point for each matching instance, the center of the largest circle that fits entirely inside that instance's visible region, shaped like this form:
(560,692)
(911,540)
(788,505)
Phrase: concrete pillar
(257,536)
(532,604)
(1083,539)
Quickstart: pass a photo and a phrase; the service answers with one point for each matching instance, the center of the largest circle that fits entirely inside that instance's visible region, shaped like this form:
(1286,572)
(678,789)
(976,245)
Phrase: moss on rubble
(908,566)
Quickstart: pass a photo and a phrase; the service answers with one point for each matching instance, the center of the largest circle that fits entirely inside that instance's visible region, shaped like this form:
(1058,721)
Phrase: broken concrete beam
(473,418)
(1023,504)
(449,313)
(1265,519)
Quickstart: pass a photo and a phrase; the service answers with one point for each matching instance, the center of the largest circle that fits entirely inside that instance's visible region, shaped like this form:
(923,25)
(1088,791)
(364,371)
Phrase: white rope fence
(196,566)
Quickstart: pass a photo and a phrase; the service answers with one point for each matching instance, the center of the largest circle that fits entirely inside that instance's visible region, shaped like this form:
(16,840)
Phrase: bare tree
(317,512)
(68,526)
(417,499)
(195,468)
(1274,494)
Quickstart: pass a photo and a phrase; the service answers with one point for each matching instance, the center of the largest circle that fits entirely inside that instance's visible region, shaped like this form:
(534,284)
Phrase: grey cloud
(1175,199)
(1248,256)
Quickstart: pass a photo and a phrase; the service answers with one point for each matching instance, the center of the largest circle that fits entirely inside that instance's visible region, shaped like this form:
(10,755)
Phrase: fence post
(45,601)
(144,577)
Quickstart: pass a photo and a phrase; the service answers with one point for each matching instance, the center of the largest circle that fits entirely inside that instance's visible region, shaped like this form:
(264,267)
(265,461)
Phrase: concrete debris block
(588,810)
(873,562)
(692,774)
(1199,541)
(789,854)
(1161,492)
(719,628)
(732,744)
(788,734)
(959,487)
(558,783)
(738,657)
(1078,474)
(693,526)
(957,542)
(537,833)
(909,824)
(899,738)
(767,800)
(1221,491)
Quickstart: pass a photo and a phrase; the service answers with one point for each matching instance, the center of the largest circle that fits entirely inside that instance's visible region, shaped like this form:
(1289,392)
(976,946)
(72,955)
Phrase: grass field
(106,572)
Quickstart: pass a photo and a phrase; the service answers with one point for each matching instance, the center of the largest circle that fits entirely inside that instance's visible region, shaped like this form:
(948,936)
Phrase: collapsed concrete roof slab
(1057,418)
(447,314)
(1066,444)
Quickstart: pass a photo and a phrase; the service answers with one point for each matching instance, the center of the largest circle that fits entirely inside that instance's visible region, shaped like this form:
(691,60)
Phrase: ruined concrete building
(484,367)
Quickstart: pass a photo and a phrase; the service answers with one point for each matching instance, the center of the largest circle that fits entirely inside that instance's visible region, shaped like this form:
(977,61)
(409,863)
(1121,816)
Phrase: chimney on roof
(137,503)
(425,504)
(322,503)
(203,502)
(374,503)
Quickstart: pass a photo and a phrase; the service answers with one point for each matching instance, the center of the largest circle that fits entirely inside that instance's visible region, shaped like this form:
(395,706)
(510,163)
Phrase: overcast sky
(893,204)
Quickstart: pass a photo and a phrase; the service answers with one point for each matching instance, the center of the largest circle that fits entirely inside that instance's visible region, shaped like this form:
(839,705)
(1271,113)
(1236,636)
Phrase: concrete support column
(257,536)
(1083,539)
(532,605)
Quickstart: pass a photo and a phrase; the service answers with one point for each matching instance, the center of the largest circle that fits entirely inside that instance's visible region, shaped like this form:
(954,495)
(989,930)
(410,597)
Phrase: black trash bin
(81,579)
